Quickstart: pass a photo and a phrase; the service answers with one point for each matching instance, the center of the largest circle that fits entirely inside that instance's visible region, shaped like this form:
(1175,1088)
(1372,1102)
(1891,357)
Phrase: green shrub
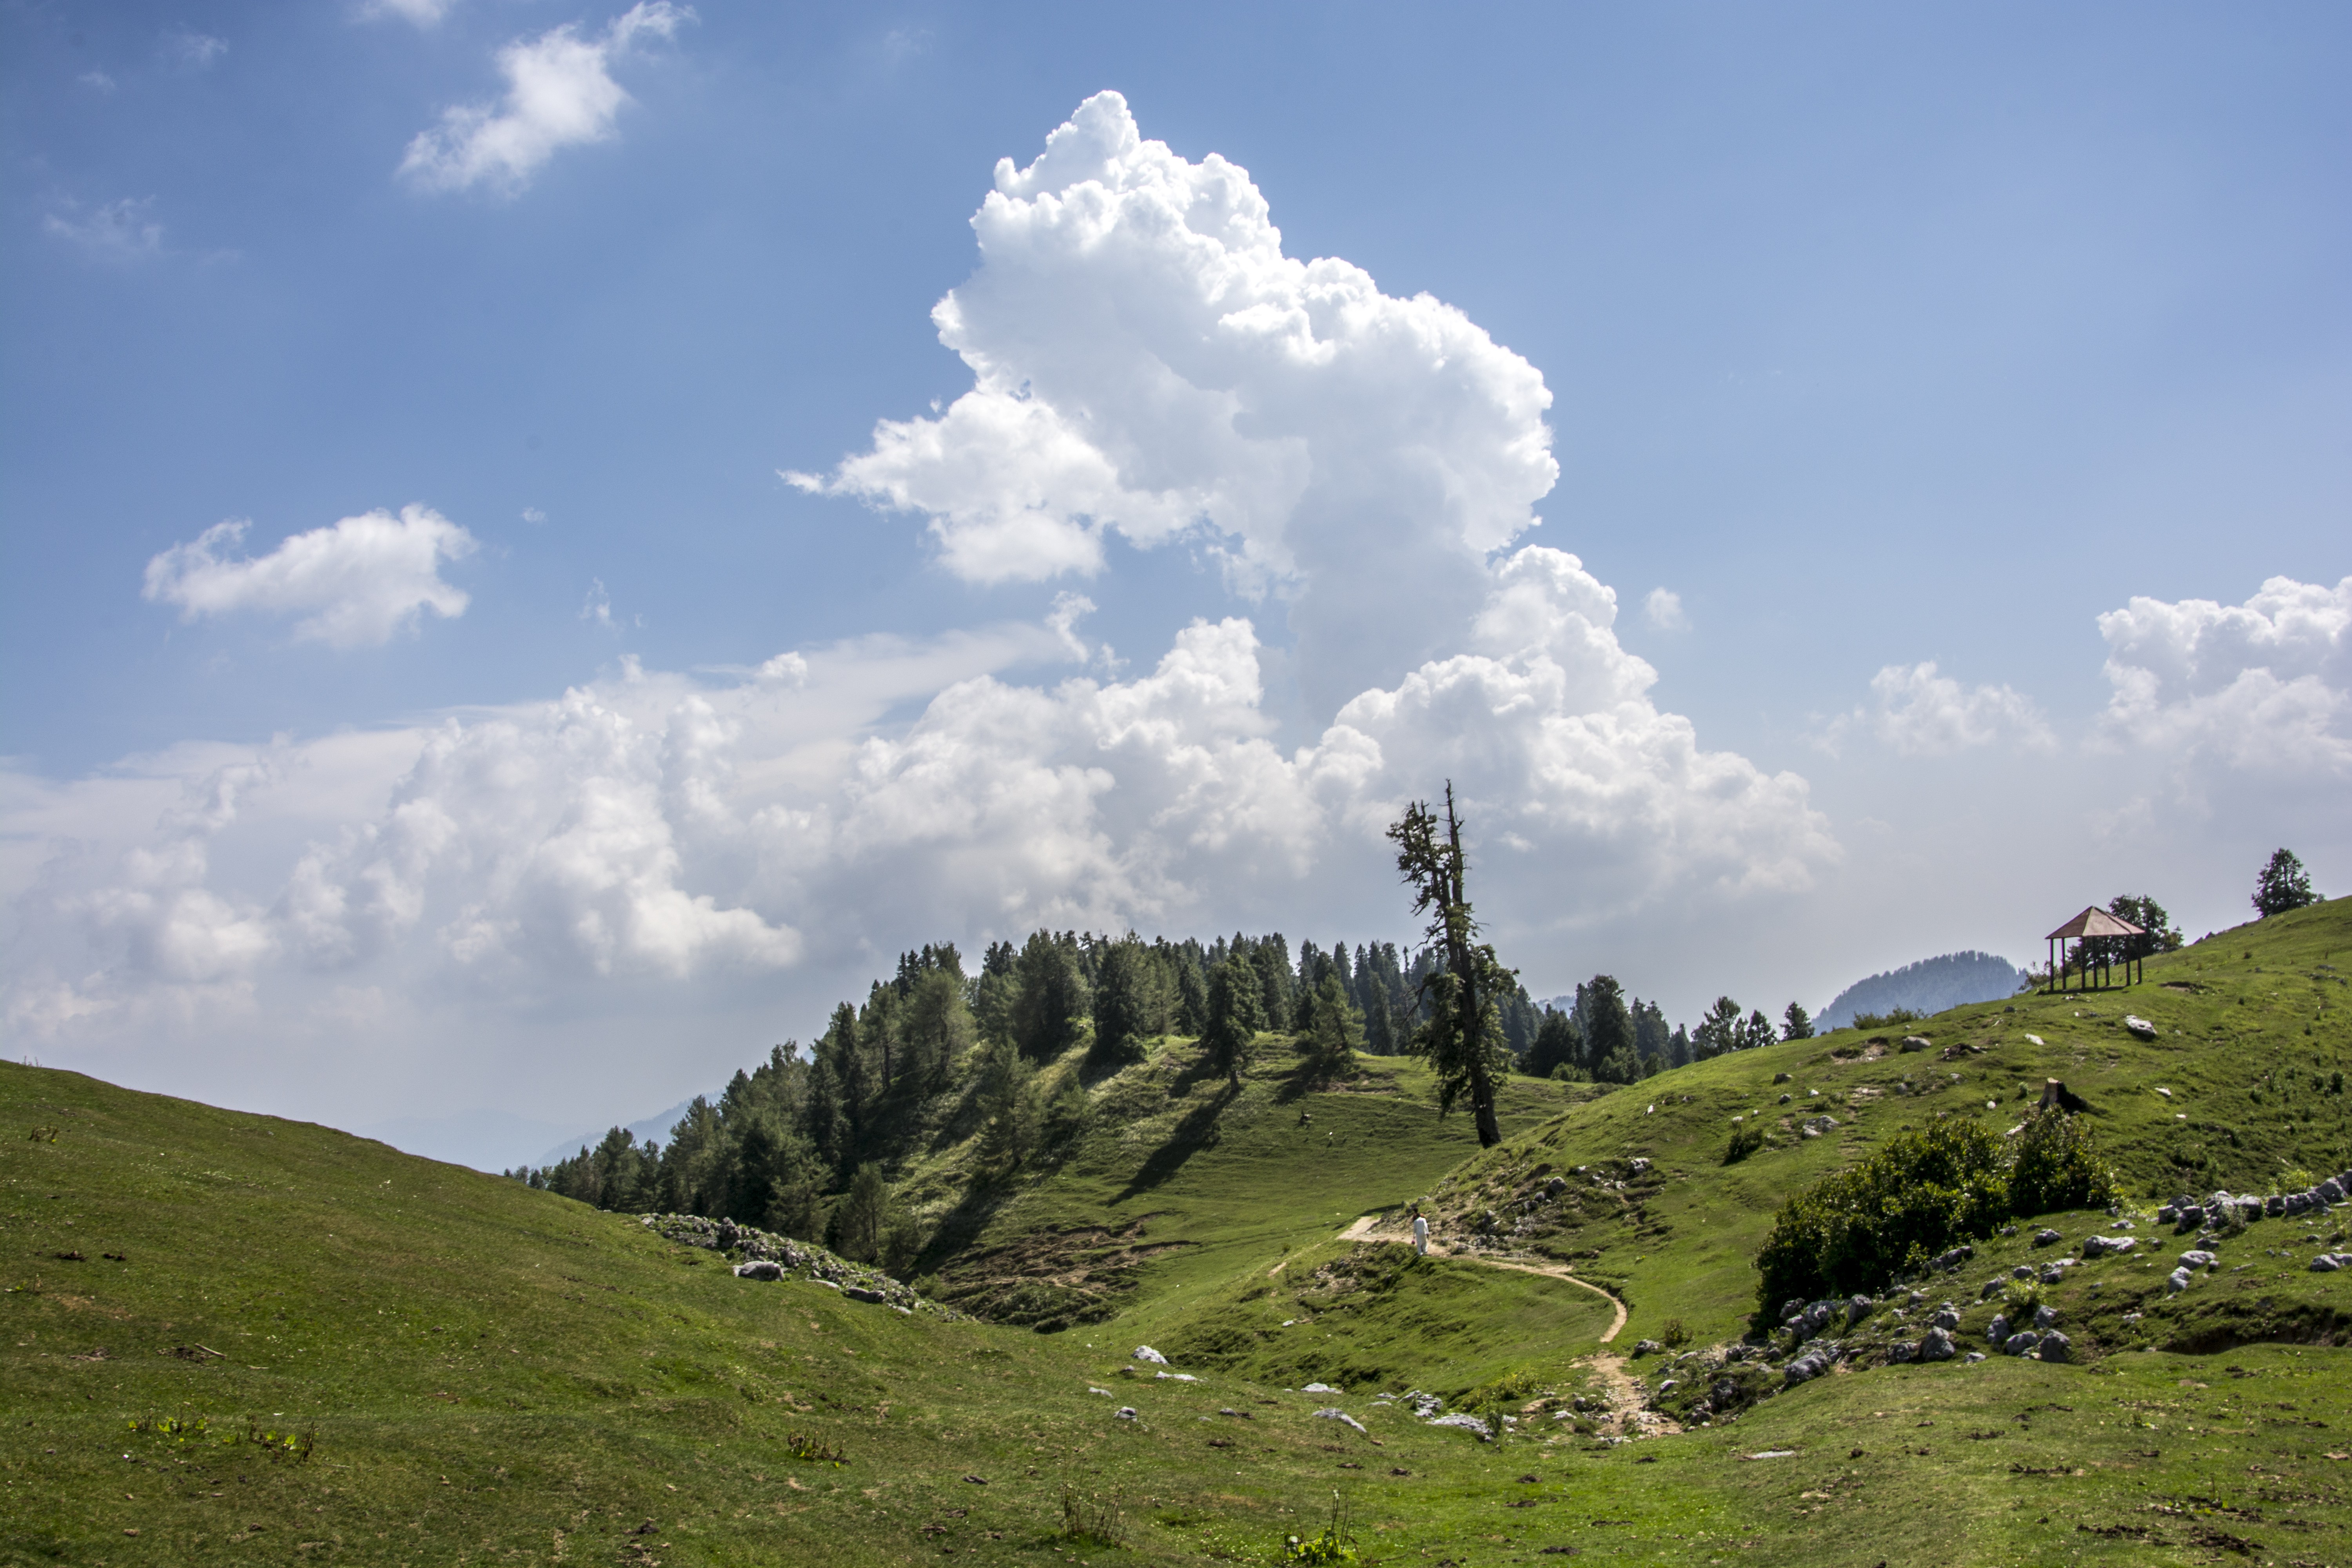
(1924,1192)
(2056,1166)
(1893,1018)
(1745,1140)
(1921,1194)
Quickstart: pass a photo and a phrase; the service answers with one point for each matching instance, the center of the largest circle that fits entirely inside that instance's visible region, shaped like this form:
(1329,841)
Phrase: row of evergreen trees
(800,1142)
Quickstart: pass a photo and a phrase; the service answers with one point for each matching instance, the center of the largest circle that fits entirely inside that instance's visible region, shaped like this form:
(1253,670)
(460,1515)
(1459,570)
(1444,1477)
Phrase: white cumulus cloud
(1664,610)
(1146,359)
(1921,713)
(2264,686)
(354,585)
(560,93)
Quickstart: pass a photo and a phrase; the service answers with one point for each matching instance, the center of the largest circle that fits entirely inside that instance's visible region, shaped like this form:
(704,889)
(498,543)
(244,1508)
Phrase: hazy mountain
(652,1130)
(1930,986)
(485,1140)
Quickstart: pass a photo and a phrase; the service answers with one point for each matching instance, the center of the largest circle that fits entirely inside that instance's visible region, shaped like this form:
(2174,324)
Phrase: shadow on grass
(1188,1136)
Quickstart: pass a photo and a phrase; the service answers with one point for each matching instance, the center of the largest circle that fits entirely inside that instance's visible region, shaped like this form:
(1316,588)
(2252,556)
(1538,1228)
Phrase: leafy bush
(1893,1018)
(1921,1194)
(2057,1166)
(1745,1140)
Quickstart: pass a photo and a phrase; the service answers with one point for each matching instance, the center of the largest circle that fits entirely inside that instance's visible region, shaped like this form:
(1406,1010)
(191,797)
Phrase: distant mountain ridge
(652,1130)
(1930,986)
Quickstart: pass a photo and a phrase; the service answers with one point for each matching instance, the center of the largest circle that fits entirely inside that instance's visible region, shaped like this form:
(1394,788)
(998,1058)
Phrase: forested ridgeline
(804,1142)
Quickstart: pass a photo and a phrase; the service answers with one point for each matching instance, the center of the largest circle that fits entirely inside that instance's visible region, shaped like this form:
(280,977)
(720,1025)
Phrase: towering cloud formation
(1145,358)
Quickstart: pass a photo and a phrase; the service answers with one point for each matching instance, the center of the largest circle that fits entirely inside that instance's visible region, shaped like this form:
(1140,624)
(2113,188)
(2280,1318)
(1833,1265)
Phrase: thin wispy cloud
(96,80)
(1663,608)
(120,231)
(193,51)
(423,13)
(560,93)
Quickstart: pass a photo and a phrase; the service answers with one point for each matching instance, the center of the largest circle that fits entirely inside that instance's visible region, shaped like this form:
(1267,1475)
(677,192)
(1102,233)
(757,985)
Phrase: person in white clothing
(1420,1233)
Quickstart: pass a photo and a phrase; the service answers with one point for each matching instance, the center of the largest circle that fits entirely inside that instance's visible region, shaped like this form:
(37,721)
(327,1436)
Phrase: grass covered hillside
(232,1339)
(2243,1087)
(1182,1177)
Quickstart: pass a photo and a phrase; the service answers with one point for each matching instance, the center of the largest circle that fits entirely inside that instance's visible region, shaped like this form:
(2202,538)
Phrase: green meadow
(232,1339)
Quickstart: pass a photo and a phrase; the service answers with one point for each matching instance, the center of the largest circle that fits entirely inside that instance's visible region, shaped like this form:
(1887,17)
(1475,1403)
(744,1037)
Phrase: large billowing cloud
(2264,687)
(560,93)
(354,585)
(1146,359)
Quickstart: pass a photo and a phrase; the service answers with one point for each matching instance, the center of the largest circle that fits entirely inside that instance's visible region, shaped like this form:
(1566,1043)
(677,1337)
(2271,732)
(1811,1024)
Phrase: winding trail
(1624,1397)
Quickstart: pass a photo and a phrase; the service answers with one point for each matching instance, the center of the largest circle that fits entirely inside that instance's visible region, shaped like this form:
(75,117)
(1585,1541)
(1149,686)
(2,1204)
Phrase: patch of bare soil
(1053,1279)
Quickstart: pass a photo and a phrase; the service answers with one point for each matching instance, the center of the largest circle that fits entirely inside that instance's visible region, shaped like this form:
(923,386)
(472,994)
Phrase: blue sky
(1873,339)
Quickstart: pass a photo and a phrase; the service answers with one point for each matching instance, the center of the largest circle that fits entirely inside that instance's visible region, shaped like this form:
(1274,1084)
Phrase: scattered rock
(2044,1315)
(871,1297)
(1857,1310)
(1427,1406)
(1945,1318)
(2021,1343)
(1318,1388)
(1334,1413)
(759,1269)
(2177,1282)
(2055,1346)
(1992,1286)
(2329,1262)
(1183,1377)
(1104,1392)
(2139,1028)
(1124,1413)
(1917,1043)
(1146,1353)
(2045,1237)
(2198,1257)
(1780,1077)
(1936,1344)
(1997,1331)
(1466,1421)
(1973,1357)
(1648,1347)
(1811,1365)
(2100,1246)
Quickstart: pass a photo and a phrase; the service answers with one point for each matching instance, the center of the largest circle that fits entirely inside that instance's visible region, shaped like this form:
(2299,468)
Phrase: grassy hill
(469,1370)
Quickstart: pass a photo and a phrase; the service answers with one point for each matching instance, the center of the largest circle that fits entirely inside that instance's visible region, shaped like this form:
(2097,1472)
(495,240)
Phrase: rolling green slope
(1184,1182)
(2242,1088)
(469,1370)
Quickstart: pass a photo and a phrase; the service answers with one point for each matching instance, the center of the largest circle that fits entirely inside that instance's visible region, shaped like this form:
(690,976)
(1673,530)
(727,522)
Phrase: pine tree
(1463,1037)
(1334,1034)
(1235,1016)
(1796,1024)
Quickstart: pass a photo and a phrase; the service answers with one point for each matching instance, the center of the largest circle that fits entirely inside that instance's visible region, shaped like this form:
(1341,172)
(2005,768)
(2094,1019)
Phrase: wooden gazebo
(2079,930)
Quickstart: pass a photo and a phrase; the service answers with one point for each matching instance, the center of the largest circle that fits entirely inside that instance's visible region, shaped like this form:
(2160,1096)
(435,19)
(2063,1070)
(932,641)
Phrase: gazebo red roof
(2094,921)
